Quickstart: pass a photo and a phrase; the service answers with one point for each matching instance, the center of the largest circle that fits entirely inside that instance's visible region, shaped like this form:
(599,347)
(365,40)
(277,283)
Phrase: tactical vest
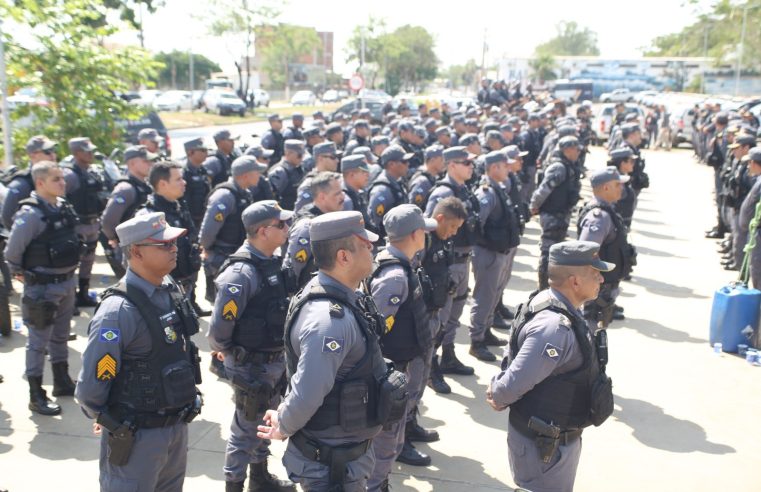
(353,401)
(565,196)
(188,254)
(439,256)
(561,399)
(358,201)
(639,178)
(22,174)
(396,192)
(142,190)
(58,246)
(225,162)
(287,198)
(410,334)
(164,379)
(431,180)
(232,232)
(309,268)
(197,189)
(467,235)
(615,248)
(501,232)
(260,326)
(87,200)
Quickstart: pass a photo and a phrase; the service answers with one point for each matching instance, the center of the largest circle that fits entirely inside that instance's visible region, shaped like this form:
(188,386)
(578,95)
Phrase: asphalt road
(685,418)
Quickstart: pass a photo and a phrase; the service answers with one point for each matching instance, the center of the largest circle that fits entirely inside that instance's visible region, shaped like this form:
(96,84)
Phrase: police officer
(600,223)
(222,231)
(273,140)
(531,142)
(263,189)
(410,141)
(286,175)
(717,151)
(356,175)
(426,176)
(197,179)
(493,252)
(334,361)
(387,190)
(326,159)
(444,136)
(334,133)
(553,377)
(555,199)
(20,184)
(622,159)
(43,252)
(294,132)
(328,197)
(140,368)
(151,140)
(86,192)
(740,184)
(748,212)
(218,165)
(459,170)
(127,196)
(632,135)
(397,290)
(360,138)
(246,331)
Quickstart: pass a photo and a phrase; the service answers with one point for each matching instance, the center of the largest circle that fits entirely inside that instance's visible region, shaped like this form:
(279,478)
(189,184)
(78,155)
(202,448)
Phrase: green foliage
(542,66)
(128,9)
(63,56)
(570,40)
(461,75)
(180,60)
(283,45)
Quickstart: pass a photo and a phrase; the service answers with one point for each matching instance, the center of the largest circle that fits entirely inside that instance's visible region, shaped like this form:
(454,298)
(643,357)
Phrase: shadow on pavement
(655,235)
(666,289)
(654,428)
(54,439)
(206,436)
(645,251)
(647,221)
(657,331)
(6,429)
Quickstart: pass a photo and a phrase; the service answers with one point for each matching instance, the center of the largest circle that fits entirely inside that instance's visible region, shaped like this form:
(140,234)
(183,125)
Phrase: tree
(462,75)
(176,70)
(283,45)
(128,12)
(60,53)
(542,66)
(570,40)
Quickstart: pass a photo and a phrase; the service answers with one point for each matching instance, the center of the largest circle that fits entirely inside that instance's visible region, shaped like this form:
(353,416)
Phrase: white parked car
(147,96)
(304,98)
(604,118)
(618,95)
(224,103)
(173,101)
(330,96)
(261,97)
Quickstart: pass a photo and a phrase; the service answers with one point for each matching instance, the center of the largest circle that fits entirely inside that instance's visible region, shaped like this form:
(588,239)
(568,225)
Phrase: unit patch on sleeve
(109,335)
(332,345)
(551,352)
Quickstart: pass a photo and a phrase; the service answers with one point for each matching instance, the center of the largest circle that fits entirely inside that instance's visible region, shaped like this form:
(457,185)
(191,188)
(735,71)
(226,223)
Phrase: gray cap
(405,219)
(366,152)
(578,253)
(362,123)
(225,134)
(430,122)
(495,157)
(333,128)
(335,225)
(457,153)
(629,128)
(621,154)
(605,175)
(259,152)
(139,152)
(442,130)
(743,139)
(294,145)
(354,161)
(566,130)
(324,148)
(39,143)
(395,153)
(722,118)
(264,210)
(297,116)
(196,143)
(246,164)
(81,143)
(380,140)
(273,117)
(513,152)
(433,151)
(568,141)
(149,134)
(311,132)
(468,139)
(631,117)
(507,127)
(406,126)
(754,155)
(148,227)
(495,135)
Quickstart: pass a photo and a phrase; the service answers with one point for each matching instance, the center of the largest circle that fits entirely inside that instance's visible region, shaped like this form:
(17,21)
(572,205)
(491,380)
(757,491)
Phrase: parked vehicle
(261,98)
(173,101)
(150,120)
(147,96)
(330,95)
(573,91)
(374,105)
(604,118)
(224,103)
(304,98)
(681,124)
(618,95)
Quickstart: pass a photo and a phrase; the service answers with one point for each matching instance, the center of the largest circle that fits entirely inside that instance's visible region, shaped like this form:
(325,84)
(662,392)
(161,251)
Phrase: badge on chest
(168,322)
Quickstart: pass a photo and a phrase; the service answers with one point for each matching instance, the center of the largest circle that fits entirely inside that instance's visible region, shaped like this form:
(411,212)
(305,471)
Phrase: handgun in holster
(547,437)
(251,397)
(121,438)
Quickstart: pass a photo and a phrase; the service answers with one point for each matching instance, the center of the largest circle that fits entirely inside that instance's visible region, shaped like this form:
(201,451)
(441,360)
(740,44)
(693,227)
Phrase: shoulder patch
(551,352)
(19,221)
(301,256)
(306,195)
(381,198)
(230,310)
(303,241)
(119,199)
(106,368)
(594,228)
(221,206)
(484,201)
(234,289)
(332,345)
(109,335)
(380,209)
(394,300)
(336,310)
(389,323)
(219,217)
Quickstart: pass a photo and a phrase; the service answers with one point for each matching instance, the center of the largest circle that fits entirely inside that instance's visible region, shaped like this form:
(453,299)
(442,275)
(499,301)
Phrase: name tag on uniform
(169,319)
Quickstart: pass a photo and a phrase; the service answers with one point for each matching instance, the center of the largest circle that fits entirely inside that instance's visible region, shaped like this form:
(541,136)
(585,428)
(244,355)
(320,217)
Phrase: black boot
(411,456)
(38,399)
(83,295)
(210,289)
(450,364)
(480,352)
(261,480)
(436,379)
(62,383)
(492,340)
(233,486)
(504,311)
(416,432)
(499,322)
(715,233)
(384,486)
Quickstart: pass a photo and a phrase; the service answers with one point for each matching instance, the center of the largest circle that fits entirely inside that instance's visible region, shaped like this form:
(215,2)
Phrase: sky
(511,29)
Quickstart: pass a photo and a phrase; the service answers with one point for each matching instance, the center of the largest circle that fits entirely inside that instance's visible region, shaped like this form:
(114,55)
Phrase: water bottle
(717,348)
(17,325)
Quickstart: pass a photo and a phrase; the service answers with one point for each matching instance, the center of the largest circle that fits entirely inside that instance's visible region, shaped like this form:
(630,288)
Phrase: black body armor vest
(502,230)
(59,245)
(439,256)
(567,194)
(396,191)
(232,232)
(287,198)
(88,200)
(615,249)
(188,253)
(467,235)
(142,190)
(197,190)
(308,212)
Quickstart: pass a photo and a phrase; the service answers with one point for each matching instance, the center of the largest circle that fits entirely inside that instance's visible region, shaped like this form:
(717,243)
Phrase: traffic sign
(356,82)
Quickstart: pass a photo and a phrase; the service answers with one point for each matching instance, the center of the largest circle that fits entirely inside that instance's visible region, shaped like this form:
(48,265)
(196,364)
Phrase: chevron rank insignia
(219,217)
(230,310)
(336,310)
(332,345)
(389,323)
(418,199)
(380,209)
(301,256)
(106,368)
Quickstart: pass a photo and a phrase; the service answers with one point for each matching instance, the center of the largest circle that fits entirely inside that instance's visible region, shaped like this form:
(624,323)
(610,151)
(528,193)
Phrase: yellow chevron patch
(106,369)
(301,256)
(230,310)
(389,323)
(380,209)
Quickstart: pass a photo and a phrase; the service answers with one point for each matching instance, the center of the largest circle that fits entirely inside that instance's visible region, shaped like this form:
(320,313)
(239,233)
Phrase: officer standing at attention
(600,223)
(387,190)
(263,189)
(196,178)
(38,148)
(356,175)
(85,192)
(622,159)
(335,366)
(246,332)
(273,140)
(553,378)
(555,198)
(396,287)
(218,165)
(326,159)
(361,137)
(286,175)
(43,252)
(493,252)
(222,231)
(426,176)
(294,132)
(748,211)
(459,170)
(140,368)
(151,140)
(128,195)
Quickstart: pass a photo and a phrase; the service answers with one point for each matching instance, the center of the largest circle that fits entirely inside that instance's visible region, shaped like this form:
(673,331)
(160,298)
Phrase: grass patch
(185,119)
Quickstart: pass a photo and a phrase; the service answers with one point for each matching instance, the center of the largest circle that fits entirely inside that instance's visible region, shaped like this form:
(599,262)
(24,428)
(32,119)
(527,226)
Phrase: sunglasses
(280,225)
(464,163)
(165,246)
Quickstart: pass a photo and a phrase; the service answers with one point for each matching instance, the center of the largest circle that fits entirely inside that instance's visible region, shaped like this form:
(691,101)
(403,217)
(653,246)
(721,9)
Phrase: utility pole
(192,77)
(361,60)
(483,58)
(141,33)
(738,67)
(7,141)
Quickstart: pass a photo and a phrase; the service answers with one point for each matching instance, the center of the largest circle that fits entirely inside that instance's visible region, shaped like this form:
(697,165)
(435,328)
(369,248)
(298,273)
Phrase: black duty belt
(334,457)
(521,425)
(32,278)
(259,357)
(155,420)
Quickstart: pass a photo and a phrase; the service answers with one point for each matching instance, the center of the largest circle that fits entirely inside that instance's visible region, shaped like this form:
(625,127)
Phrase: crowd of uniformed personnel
(327,252)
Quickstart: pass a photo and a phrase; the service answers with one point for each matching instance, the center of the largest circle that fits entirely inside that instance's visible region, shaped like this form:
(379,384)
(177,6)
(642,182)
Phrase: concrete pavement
(685,418)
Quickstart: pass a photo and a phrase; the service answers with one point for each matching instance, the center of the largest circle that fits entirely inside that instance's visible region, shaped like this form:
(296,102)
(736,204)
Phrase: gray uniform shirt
(553,177)
(279,178)
(597,224)
(419,188)
(220,205)
(748,208)
(299,250)
(122,197)
(304,193)
(381,200)
(17,190)
(390,288)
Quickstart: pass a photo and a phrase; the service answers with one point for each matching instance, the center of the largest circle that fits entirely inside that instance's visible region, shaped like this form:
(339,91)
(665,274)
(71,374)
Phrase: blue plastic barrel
(734,316)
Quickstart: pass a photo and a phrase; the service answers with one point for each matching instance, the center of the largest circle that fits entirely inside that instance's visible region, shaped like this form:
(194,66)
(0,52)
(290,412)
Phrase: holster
(121,439)
(334,457)
(41,313)
(547,447)
(252,398)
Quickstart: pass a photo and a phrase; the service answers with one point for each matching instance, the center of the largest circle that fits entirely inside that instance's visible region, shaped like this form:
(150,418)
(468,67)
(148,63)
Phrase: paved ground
(685,418)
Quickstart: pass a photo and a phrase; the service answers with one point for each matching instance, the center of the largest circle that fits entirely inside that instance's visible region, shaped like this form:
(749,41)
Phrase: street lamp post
(738,66)
(8,146)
